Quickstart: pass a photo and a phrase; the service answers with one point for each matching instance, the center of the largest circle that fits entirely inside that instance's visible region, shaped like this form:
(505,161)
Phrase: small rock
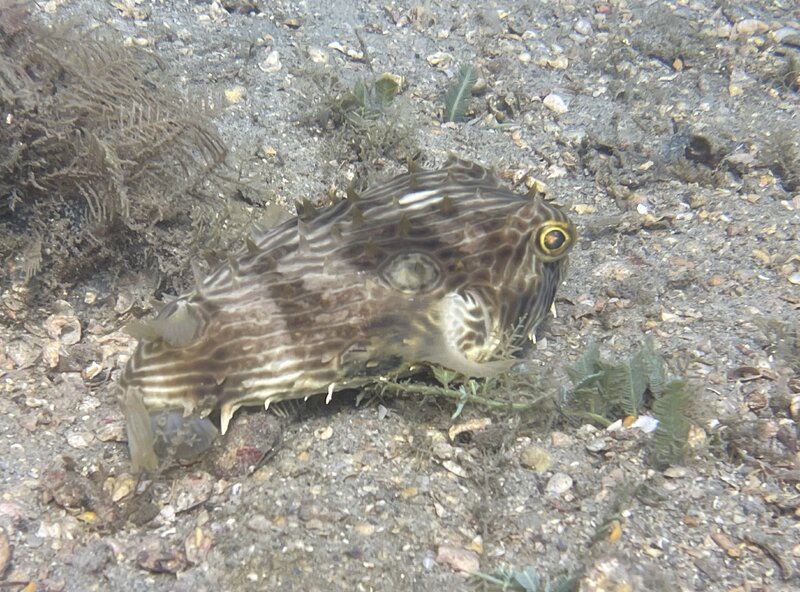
(646,423)
(440,447)
(458,559)
(454,468)
(560,62)
(325,433)
(272,64)
(794,408)
(64,485)
(235,95)
(51,353)
(610,574)
(22,353)
(583,27)
(196,546)
(250,438)
(440,59)
(259,523)
(317,55)
(65,328)
(787,36)
(558,484)
(80,440)
(538,459)
(124,302)
(749,27)
(192,490)
(555,103)
(364,528)
(351,53)
(561,440)
(91,372)
(93,558)
(161,561)
(124,486)
(597,445)
(111,431)
(675,472)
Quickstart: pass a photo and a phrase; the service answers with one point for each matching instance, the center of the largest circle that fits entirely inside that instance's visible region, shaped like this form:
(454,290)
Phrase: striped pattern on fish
(433,267)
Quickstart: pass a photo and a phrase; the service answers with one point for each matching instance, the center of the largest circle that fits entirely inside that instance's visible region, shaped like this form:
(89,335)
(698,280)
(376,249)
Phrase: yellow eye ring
(553,239)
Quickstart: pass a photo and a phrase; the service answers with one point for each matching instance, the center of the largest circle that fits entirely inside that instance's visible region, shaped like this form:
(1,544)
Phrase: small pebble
(555,103)
(364,528)
(583,27)
(561,440)
(80,440)
(558,484)
(748,27)
(440,59)
(536,458)
(455,468)
(272,64)
(235,94)
(259,523)
(325,433)
(192,490)
(458,559)
(318,55)
(675,472)
(787,36)
(597,445)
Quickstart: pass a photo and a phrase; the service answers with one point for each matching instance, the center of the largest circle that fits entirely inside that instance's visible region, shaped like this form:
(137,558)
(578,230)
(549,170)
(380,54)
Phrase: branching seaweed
(366,121)
(602,392)
(95,144)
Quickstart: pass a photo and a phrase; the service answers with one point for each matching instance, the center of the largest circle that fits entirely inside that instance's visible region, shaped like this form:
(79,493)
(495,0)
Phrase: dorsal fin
(358,215)
(352,194)
(403,226)
(304,208)
(446,205)
(371,249)
(198,274)
(233,266)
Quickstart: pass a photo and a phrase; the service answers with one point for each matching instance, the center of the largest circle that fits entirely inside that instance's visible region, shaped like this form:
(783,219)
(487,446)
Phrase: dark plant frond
(459,94)
(526,579)
(672,434)
(604,391)
(624,384)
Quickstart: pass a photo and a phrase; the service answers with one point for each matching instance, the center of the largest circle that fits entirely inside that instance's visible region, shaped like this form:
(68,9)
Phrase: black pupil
(554,239)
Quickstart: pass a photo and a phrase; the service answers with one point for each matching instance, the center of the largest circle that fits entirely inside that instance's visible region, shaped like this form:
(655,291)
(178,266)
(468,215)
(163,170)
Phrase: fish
(432,268)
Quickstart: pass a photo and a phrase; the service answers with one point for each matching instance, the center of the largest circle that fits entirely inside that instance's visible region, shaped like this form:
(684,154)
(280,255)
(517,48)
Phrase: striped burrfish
(436,267)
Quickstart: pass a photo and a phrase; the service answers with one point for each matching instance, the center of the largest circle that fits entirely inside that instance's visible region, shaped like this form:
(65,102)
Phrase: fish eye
(412,273)
(553,239)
